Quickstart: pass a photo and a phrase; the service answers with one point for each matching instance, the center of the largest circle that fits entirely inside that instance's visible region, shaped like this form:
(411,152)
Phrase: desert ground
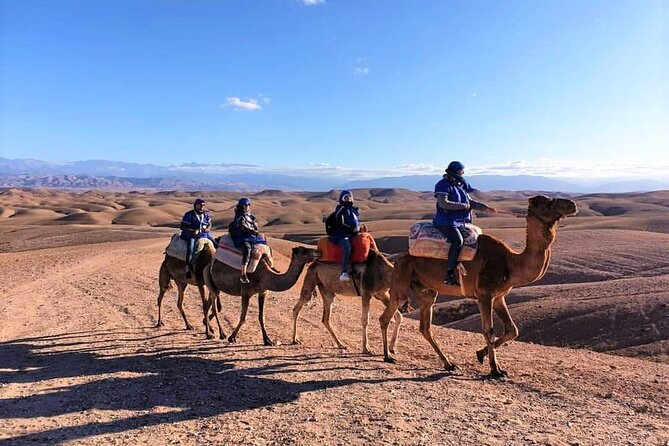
(81,361)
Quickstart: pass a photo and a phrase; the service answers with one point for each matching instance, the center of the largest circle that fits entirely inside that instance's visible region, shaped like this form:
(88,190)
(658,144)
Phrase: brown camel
(175,269)
(375,282)
(223,278)
(491,275)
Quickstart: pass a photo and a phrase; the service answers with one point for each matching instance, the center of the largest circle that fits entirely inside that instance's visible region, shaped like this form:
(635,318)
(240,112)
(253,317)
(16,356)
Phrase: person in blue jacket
(454,210)
(195,224)
(348,226)
(244,233)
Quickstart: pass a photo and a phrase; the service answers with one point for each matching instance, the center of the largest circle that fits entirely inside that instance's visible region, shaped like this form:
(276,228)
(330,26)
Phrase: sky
(556,88)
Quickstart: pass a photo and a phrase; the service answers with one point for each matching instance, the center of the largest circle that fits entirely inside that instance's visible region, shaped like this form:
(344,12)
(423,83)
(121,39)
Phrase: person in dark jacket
(454,210)
(195,224)
(348,226)
(244,233)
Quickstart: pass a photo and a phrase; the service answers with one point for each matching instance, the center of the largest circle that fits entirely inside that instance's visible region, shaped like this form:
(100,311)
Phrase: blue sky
(558,88)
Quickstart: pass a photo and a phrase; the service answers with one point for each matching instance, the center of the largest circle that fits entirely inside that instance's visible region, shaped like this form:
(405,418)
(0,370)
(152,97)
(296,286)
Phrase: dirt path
(80,363)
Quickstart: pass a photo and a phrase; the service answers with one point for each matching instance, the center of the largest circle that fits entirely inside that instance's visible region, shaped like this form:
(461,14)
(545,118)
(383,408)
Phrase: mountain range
(114,175)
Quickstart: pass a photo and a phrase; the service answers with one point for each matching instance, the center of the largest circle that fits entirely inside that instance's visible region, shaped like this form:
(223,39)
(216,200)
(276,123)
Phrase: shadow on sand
(179,380)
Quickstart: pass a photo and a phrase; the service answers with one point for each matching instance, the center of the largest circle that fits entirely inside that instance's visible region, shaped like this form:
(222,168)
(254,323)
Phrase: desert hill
(615,238)
(83,364)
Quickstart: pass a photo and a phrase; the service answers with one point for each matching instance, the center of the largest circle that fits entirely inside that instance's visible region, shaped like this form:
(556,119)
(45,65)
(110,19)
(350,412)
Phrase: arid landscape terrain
(81,361)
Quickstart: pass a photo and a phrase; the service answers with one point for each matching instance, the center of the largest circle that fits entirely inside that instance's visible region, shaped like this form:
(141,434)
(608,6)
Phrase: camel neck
(285,281)
(533,261)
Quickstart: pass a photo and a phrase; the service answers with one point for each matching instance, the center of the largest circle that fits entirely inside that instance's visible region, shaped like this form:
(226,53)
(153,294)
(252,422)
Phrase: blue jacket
(456,193)
(245,229)
(348,220)
(192,220)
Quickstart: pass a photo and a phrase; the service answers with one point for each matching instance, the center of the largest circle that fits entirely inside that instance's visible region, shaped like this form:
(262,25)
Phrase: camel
(220,277)
(375,282)
(175,269)
(491,275)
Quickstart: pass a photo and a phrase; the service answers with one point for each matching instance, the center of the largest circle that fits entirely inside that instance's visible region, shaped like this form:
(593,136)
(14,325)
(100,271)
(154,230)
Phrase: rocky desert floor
(81,361)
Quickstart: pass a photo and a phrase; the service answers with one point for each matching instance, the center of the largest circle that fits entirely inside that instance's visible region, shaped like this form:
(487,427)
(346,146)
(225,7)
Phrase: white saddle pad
(227,253)
(178,246)
(427,241)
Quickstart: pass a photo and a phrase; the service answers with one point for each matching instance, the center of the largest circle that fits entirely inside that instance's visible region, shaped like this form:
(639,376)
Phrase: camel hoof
(189,327)
(389,359)
(210,336)
(297,342)
(480,354)
(451,367)
(231,339)
(368,352)
(160,324)
(342,347)
(499,374)
(269,343)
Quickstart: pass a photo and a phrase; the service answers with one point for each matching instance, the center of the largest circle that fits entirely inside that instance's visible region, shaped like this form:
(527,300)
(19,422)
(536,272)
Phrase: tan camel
(375,273)
(491,275)
(220,277)
(175,269)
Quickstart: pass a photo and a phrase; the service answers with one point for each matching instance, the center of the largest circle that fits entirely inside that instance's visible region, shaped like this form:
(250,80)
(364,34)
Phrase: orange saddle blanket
(360,244)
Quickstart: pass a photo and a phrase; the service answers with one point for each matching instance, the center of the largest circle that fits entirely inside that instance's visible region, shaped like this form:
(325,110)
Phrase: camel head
(550,210)
(304,255)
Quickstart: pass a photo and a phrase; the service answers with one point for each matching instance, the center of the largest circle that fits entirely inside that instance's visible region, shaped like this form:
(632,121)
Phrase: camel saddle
(360,244)
(178,246)
(427,241)
(227,253)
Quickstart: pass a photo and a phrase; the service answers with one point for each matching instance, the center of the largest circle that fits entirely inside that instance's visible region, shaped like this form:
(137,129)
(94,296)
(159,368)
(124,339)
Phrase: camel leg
(384,297)
(396,332)
(485,307)
(180,304)
(203,298)
(164,279)
(384,319)
(366,350)
(161,294)
(211,304)
(305,296)
(510,328)
(242,318)
(328,297)
(261,318)
(426,330)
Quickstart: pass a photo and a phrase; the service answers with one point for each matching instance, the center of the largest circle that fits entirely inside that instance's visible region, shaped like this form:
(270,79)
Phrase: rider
(195,224)
(244,233)
(454,210)
(348,226)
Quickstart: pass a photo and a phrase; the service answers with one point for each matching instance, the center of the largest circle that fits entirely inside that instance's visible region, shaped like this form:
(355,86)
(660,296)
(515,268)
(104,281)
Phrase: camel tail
(164,277)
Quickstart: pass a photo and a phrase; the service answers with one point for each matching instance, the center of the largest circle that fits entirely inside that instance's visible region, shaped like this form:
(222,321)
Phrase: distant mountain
(237,177)
(87,182)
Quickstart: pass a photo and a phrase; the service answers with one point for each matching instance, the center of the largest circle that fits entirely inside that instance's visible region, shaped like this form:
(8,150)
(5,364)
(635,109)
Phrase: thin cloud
(580,170)
(239,104)
(361,71)
(312,2)
(250,104)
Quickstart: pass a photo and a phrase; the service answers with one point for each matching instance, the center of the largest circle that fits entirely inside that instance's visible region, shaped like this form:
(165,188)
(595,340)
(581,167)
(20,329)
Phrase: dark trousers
(454,236)
(246,252)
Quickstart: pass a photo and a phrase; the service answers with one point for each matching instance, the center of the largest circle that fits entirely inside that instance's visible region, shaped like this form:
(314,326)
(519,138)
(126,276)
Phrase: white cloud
(582,170)
(312,2)
(250,104)
(620,168)
(361,71)
(239,104)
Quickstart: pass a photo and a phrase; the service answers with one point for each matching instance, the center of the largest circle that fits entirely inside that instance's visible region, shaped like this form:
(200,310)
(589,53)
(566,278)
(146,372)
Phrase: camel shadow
(166,386)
